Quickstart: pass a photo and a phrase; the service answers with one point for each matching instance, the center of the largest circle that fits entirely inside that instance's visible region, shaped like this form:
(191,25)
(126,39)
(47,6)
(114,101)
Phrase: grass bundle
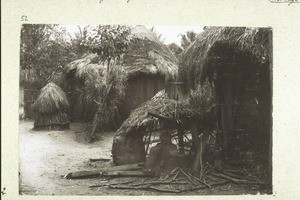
(51,108)
(51,99)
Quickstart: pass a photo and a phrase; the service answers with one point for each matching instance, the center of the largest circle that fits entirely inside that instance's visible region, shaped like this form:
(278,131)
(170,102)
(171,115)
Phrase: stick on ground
(100,159)
(145,188)
(199,180)
(108,184)
(87,174)
(189,178)
(204,186)
(157,183)
(238,181)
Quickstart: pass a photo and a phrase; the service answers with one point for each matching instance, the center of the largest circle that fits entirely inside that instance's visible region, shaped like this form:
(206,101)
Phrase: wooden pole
(180,140)
(102,171)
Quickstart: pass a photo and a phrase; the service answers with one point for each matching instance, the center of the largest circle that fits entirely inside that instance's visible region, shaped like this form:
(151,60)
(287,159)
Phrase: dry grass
(145,56)
(139,122)
(110,94)
(247,44)
(51,100)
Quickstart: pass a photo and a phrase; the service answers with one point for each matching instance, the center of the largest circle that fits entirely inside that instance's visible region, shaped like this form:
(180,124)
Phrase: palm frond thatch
(243,43)
(51,99)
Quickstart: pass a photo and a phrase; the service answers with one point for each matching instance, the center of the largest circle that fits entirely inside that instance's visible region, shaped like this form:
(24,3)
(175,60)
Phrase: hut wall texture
(58,120)
(79,110)
(246,110)
(244,93)
(140,89)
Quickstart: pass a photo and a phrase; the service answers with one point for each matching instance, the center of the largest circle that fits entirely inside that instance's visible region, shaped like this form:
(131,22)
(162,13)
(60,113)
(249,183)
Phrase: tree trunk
(180,140)
(198,163)
(95,123)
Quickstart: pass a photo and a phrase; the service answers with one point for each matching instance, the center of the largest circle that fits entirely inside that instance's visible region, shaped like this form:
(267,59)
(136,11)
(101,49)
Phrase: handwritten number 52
(24,18)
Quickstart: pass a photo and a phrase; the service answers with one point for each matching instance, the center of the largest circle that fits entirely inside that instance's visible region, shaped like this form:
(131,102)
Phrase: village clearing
(46,155)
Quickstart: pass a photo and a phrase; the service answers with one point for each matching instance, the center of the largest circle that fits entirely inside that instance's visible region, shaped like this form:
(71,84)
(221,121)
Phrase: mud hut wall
(140,89)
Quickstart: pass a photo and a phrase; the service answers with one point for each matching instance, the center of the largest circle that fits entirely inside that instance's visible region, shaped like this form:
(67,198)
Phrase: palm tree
(158,35)
(187,39)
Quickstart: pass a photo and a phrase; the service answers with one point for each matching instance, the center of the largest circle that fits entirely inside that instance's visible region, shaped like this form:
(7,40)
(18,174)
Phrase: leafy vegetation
(111,91)
(44,50)
(110,42)
(187,39)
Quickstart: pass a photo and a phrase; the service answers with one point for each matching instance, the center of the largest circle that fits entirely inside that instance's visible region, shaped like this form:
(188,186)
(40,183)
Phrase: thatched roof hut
(148,56)
(51,108)
(237,62)
(148,65)
(175,114)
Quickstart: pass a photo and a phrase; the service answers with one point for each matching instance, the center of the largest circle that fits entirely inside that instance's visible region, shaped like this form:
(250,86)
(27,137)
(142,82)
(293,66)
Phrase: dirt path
(46,155)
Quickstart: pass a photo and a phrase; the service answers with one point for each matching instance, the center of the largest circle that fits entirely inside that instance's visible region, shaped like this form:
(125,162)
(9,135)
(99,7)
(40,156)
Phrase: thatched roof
(148,56)
(51,99)
(182,113)
(241,44)
(87,67)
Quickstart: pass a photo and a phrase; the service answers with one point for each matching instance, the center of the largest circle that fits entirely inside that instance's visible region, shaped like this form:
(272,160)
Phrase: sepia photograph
(118,110)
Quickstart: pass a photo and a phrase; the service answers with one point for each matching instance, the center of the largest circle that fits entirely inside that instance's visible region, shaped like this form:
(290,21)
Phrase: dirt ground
(46,155)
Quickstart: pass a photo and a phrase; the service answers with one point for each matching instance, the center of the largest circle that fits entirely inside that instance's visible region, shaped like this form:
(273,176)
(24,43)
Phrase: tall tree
(110,42)
(43,50)
(77,41)
(158,35)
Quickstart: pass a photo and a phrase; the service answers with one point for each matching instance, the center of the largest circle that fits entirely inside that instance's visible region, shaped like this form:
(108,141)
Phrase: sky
(172,34)
(169,34)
